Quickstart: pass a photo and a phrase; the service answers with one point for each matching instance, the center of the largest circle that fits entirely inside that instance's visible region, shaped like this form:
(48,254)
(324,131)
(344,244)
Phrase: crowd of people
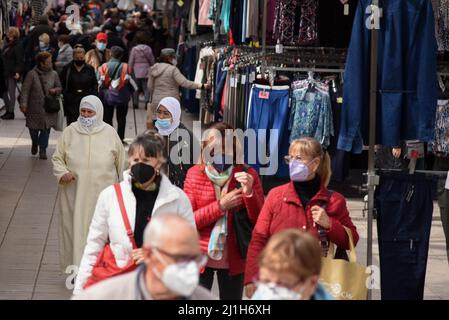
(113,54)
(139,224)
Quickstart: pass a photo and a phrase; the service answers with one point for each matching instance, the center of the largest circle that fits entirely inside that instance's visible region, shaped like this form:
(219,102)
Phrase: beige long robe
(97,161)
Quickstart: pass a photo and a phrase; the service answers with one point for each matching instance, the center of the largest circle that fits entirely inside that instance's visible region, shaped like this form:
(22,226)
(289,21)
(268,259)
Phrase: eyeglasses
(289,159)
(200,260)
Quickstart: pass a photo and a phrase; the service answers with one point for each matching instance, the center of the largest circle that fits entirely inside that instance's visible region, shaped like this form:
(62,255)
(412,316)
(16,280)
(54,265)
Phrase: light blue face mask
(101,46)
(43,46)
(163,123)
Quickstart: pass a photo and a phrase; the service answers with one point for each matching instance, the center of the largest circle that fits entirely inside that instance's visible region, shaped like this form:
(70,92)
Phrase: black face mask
(79,63)
(222,162)
(142,172)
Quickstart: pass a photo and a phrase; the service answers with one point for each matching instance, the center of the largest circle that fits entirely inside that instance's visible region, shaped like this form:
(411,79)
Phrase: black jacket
(76,85)
(12,55)
(2,78)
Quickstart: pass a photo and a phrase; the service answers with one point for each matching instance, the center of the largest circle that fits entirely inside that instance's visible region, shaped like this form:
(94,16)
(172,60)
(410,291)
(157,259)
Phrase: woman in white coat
(89,157)
(147,192)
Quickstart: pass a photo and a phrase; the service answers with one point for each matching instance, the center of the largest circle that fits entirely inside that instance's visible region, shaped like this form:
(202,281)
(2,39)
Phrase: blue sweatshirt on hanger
(407,76)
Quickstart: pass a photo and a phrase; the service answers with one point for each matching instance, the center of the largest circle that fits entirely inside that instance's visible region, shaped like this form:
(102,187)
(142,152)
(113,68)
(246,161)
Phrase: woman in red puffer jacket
(218,189)
(303,203)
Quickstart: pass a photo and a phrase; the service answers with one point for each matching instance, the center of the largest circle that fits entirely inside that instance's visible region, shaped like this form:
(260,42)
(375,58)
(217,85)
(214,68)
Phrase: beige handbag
(344,280)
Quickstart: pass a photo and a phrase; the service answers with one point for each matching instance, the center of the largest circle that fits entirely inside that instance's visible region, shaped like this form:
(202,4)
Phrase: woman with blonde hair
(289,268)
(303,203)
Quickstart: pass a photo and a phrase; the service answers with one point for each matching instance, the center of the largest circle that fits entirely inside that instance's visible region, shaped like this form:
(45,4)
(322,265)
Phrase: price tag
(252,77)
(233,82)
(340,100)
(264,95)
(244,79)
(180,3)
(346,9)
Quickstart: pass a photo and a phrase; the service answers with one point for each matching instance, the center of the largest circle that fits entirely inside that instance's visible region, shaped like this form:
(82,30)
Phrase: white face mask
(271,291)
(87,122)
(180,278)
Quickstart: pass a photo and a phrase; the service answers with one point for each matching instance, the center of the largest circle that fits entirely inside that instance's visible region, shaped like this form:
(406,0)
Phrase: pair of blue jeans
(404,217)
(40,137)
(265,114)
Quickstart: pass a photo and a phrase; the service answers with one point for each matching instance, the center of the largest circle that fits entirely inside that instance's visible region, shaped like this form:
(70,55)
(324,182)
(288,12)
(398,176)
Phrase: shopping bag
(344,280)
(105,266)
(60,119)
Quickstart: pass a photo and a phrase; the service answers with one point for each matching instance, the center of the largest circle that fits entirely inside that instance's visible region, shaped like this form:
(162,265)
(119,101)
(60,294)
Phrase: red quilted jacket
(201,193)
(283,210)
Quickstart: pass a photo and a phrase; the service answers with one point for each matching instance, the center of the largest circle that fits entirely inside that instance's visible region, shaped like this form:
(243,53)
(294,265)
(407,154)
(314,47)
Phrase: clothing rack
(317,70)
(440,174)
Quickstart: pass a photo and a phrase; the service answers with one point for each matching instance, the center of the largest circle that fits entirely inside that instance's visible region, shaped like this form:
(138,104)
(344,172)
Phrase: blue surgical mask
(101,46)
(43,46)
(163,123)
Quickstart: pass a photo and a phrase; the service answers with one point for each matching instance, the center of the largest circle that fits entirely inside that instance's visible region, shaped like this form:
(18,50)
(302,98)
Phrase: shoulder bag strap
(129,231)
(42,84)
(324,241)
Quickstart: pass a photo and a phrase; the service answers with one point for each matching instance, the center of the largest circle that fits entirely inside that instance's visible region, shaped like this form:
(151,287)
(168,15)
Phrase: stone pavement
(29,222)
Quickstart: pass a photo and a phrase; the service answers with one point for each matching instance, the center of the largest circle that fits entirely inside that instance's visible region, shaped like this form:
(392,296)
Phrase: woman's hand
(138,256)
(247,181)
(23,109)
(150,126)
(231,200)
(396,152)
(320,217)
(53,91)
(250,288)
(67,178)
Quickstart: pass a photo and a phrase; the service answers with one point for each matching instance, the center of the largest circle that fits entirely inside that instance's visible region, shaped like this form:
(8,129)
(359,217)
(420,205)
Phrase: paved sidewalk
(29,218)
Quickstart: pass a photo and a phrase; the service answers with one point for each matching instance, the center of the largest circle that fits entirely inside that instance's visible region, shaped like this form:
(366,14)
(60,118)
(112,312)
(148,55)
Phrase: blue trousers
(40,137)
(404,218)
(267,114)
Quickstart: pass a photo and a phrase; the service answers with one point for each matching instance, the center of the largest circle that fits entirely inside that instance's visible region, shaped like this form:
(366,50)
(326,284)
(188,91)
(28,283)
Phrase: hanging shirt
(441,143)
(311,113)
(203,15)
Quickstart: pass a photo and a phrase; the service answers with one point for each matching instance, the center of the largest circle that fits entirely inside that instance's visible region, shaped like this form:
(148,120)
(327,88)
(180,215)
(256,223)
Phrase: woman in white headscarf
(178,139)
(88,158)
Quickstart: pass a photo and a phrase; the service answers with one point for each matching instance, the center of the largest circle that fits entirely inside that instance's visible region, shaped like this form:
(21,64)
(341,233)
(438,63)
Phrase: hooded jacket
(164,80)
(140,60)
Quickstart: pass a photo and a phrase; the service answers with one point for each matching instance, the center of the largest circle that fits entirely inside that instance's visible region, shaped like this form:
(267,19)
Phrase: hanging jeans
(442,164)
(265,114)
(404,211)
(40,137)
